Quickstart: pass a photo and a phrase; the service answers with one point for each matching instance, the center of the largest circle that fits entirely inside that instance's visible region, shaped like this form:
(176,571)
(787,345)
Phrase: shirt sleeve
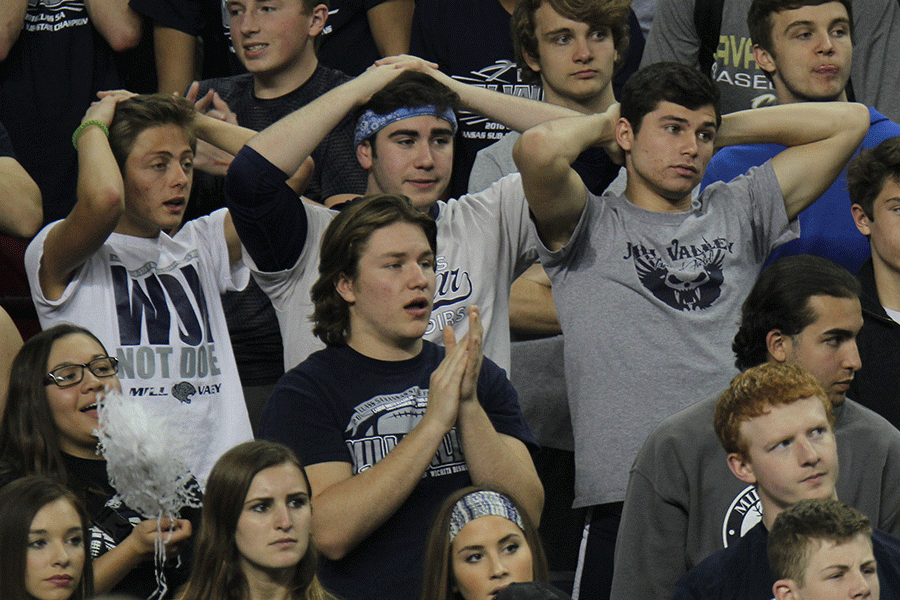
(269,216)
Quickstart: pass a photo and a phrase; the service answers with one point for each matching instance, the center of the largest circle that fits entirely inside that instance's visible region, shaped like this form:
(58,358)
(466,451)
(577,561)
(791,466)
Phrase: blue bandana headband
(482,504)
(371,123)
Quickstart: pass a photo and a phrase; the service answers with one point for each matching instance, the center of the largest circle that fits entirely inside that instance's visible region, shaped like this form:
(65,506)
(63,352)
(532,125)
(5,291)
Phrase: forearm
(555,192)
(112,567)
(21,212)
(12,19)
(222,134)
(117,23)
(289,141)
(791,124)
(531,308)
(500,461)
(514,112)
(391,25)
(349,511)
(176,59)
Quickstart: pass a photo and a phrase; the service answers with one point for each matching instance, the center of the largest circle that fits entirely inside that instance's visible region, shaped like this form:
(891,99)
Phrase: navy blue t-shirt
(339,405)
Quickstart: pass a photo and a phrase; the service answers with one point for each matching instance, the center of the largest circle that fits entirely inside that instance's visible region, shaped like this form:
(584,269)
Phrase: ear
(364,155)
(741,467)
(344,287)
(317,19)
(862,221)
(779,346)
(785,589)
(763,59)
(624,134)
(532,62)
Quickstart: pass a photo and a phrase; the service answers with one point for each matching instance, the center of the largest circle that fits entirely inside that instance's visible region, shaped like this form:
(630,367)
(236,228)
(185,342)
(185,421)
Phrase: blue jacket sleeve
(269,216)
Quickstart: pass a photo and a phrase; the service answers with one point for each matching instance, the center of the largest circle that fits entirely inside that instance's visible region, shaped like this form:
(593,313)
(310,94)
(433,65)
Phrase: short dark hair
(780,300)
(20,502)
(343,242)
(135,115)
(870,170)
(410,89)
(805,522)
(755,391)
(612,14)
(759,17)
(670,82)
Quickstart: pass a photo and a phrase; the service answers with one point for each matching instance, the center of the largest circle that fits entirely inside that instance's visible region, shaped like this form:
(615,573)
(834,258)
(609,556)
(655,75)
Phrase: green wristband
(84,126)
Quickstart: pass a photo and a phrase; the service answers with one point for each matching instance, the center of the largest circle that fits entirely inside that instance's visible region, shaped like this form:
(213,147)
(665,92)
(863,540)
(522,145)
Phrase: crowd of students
(289,255)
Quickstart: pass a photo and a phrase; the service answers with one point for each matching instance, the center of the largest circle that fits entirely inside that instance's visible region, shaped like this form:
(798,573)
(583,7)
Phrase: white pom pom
(144,455)
(144,462)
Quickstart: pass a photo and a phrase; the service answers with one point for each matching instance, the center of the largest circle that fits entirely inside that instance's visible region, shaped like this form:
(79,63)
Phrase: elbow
(125,37)
(330,547)
(531,150)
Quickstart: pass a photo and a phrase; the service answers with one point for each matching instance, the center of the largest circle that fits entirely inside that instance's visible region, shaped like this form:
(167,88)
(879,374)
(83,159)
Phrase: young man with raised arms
(405,141)
(805,48)
(665,275)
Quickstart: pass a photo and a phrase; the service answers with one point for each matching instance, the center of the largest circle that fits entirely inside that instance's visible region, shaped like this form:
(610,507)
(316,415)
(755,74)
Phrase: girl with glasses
(57,379)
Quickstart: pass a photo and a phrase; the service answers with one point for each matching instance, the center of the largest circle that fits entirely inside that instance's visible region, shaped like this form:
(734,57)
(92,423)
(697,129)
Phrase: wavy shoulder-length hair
(217,573)
(437,581)
(20,501)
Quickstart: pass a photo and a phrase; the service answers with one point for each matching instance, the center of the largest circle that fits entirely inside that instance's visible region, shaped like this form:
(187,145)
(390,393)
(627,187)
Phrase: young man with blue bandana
(404,140)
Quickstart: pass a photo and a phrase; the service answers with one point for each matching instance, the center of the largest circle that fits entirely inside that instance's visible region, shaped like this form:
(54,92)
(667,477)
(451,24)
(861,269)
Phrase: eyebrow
(673,119)
(839,332)
(556,32)
(70,363)
(46,532)
(502,540)
(272,498)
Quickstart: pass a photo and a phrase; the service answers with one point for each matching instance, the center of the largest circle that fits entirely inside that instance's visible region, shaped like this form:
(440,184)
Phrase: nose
(60,556)
(583,51)
(282,518)
(180,176)
(851,359)
(689,145)
(498,568)
(424,158)
(247,22)
(859,585)
(91,382)
(807,453)
(826,44)
(419,277)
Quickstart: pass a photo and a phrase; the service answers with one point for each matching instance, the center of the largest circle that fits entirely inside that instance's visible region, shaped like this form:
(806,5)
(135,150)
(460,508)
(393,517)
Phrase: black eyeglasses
(69,375)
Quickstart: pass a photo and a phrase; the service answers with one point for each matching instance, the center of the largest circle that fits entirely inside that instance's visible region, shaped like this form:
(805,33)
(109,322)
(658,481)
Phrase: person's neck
(642,196)
(887,283)
(770,510)
(785,97)
(385,350)
(593,105)
(276,85)
(265,585)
